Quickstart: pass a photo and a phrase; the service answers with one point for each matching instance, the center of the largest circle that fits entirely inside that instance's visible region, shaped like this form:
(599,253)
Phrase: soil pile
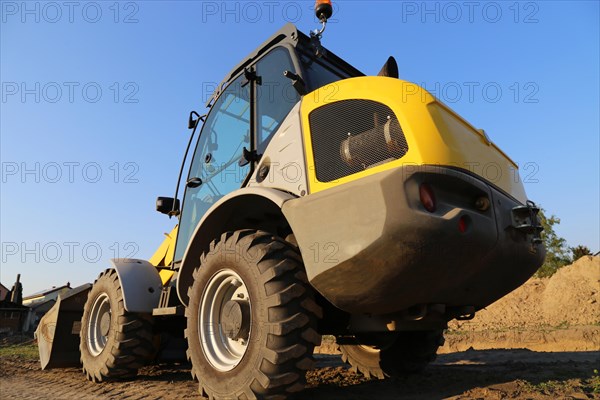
(572,295)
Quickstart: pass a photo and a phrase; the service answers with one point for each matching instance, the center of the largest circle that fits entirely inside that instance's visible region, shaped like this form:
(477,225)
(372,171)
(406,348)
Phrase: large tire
(396,354)
(114,343)
(251,319)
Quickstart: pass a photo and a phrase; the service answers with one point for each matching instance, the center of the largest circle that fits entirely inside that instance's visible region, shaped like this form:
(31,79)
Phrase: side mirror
(164,205)
(193,119)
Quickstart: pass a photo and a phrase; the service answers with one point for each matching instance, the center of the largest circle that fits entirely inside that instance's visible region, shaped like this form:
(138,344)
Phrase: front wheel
(251,319)
(114,343)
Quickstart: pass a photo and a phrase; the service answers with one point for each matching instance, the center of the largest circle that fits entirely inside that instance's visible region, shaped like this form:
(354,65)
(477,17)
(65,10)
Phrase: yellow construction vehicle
(318,201)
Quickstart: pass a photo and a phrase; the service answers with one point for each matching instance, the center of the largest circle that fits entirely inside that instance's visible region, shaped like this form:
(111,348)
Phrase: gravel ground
(472,374)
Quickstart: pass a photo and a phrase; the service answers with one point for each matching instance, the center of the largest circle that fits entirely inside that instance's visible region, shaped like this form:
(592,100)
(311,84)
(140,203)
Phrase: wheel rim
(99,324)
(224,320)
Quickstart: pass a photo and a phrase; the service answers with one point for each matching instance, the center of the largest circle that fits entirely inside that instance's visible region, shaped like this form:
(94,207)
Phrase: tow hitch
(524,219)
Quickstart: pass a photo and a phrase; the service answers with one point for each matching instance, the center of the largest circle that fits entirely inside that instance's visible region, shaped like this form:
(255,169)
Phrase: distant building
(39,304)
(45,295)
(24,315)
(3,292)
(14,318)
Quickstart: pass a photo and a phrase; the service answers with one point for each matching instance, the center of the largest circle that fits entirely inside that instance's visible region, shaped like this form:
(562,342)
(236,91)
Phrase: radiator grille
(350,136)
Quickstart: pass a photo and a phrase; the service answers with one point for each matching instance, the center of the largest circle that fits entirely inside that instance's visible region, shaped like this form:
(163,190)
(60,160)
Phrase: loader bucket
(58,331)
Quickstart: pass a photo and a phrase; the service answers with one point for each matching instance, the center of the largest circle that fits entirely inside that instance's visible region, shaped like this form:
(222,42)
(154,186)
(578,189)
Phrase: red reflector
(427,197)
(462,224)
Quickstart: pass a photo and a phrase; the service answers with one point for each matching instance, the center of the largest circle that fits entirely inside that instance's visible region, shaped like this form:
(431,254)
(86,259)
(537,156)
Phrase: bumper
(369,246)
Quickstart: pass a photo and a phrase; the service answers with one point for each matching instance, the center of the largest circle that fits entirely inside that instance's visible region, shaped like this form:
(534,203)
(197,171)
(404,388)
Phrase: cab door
(215,169)
(261,91)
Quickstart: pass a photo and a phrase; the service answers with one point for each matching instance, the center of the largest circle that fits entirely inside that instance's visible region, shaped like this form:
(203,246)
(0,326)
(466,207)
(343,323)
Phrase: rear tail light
(427,197)
(463,224)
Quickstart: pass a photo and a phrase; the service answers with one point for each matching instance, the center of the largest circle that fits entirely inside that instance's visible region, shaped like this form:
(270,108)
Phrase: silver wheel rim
(222,352)
(99,325)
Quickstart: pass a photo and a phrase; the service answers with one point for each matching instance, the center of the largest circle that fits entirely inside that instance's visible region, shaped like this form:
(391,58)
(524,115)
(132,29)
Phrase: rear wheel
(251,320)
(114,343)
(391,354)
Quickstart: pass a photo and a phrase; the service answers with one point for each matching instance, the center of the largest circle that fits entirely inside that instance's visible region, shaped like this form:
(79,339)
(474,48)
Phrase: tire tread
(132,348)
(292,315)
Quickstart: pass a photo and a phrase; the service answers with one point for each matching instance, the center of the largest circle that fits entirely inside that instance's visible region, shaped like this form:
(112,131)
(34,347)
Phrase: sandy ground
(540,342)
(474,374)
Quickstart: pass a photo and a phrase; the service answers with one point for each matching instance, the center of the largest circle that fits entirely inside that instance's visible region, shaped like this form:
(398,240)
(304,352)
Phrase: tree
(580,251)
(557,252)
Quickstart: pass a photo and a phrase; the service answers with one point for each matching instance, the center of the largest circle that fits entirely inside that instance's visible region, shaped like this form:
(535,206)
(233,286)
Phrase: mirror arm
(297,82)
(175,212)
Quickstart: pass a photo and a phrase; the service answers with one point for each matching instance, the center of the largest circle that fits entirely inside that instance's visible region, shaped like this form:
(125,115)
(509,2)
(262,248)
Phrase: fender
(140,283)
(228,214)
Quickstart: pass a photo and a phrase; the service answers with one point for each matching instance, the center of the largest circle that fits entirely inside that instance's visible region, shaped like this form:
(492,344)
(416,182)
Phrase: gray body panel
(140,283)
(284,159)
(369,246)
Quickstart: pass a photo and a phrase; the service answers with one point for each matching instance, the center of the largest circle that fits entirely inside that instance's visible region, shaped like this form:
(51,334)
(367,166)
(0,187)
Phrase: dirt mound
(570,297)
(572,339)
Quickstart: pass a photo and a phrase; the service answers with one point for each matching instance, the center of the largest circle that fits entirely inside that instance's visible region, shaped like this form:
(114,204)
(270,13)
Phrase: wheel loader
(318,200)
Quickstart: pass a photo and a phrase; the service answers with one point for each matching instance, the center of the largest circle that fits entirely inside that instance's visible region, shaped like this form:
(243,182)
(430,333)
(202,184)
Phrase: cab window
(216,159)
(275,94)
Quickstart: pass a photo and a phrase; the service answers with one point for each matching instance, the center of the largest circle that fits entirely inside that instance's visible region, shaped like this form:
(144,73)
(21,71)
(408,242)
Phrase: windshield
(216,159)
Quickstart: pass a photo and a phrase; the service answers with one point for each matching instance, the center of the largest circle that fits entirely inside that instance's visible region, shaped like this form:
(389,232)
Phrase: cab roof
(288,34)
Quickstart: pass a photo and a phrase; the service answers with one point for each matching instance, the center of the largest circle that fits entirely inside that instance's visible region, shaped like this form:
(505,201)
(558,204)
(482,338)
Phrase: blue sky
(95,97)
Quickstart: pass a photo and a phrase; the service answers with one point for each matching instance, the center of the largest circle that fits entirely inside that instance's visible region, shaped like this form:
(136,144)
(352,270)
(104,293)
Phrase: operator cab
(245,111)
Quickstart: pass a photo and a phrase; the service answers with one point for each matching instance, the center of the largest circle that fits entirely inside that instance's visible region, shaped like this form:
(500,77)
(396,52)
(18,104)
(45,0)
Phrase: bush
(580,251)
(557,252)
